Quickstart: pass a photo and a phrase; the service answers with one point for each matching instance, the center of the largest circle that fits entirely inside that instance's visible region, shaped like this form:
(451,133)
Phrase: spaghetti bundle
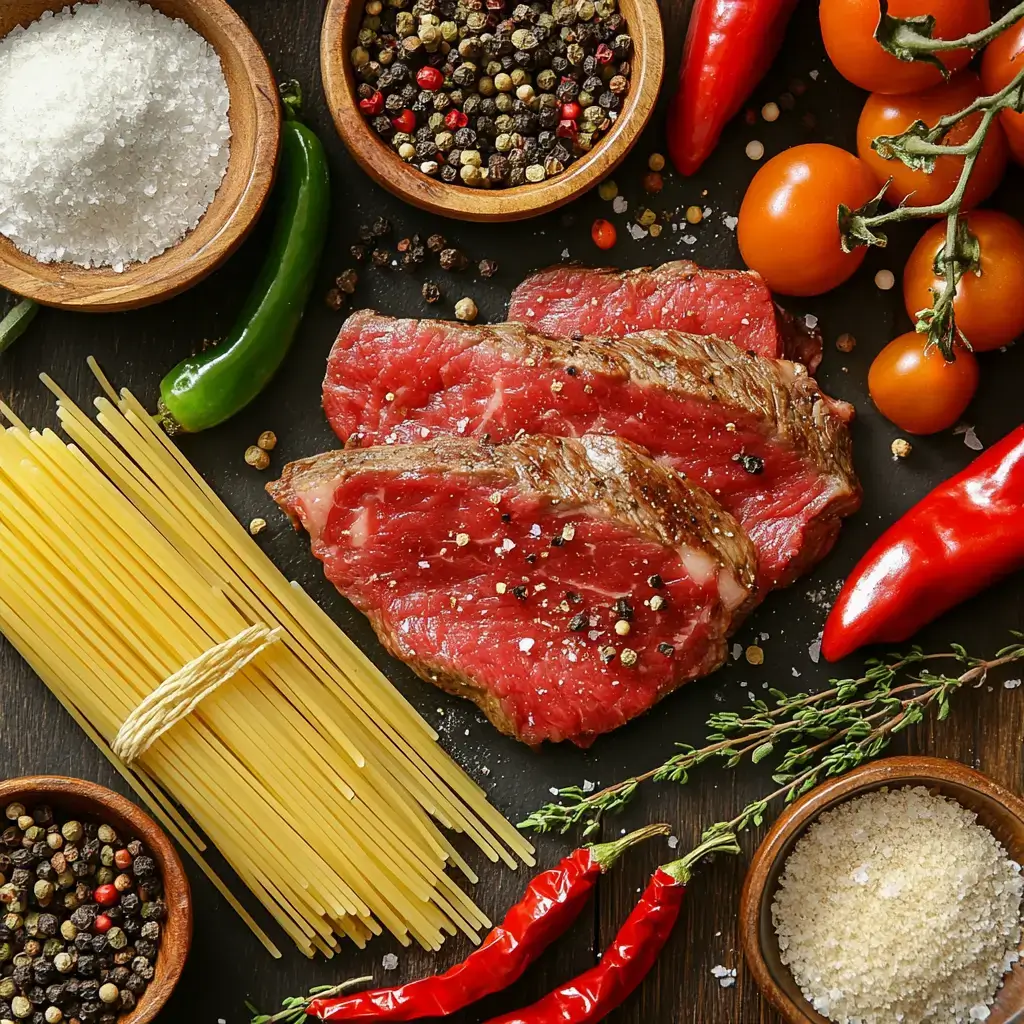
(321,786)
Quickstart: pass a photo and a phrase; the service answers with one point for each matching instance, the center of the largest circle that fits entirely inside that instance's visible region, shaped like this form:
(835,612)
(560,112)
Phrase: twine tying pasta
(180,694)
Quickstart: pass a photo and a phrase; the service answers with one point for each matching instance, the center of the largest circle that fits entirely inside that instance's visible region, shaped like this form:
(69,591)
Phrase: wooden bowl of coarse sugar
(255,118)
(89,801)
(996,808)
(340,30)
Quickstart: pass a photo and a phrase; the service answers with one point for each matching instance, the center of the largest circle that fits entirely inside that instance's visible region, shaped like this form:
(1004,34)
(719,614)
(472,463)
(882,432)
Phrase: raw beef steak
(565,586)
(757,433)
(736,305)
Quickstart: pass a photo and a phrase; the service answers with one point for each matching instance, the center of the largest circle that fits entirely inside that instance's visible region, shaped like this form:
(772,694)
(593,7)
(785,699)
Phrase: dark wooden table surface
(227,966)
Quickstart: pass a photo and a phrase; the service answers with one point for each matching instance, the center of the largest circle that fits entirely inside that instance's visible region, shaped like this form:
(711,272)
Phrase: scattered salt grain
(673,842)
(972,440)
(898,905)
(114,120)
(526,644)
(390,962)
(755,149)
(726,975)
(737,652)
(814,651)
(730,221)
(620,204)
(1011,684)
(637,232)
(588,786)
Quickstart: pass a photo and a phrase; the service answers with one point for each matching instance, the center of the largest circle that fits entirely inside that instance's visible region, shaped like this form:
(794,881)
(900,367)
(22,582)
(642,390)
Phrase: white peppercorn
(465,309)
(535,173)
(407,151)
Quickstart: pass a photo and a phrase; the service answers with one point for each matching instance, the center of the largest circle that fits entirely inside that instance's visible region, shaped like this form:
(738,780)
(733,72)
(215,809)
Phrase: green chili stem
(720,842)
(910,40)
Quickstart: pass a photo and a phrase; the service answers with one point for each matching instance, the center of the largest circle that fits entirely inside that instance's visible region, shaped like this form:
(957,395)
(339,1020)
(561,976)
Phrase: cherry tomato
(848,28)
(890,115)
(603,233)
(1003,61)
(920,391)
(788,231)
(988,304)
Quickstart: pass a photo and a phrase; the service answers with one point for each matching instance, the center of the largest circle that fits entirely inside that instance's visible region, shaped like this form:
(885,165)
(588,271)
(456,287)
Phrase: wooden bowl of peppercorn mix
(997,810)
(76,802)
(458,158)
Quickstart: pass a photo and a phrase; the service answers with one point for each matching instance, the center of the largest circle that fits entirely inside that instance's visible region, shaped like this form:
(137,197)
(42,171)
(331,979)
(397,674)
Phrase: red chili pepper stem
(682,870)
(608,853)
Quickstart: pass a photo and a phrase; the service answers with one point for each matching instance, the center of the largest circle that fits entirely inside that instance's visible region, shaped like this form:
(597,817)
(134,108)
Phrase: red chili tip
(455,119)
(372,105)
(604,54)
(106,895)
(567,129)
(102,924)
(571,111)
(429,78)
(405,122)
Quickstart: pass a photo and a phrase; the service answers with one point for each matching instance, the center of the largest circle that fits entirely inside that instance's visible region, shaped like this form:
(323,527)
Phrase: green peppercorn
(72,831)
(486,86)
(444,141)
(68,931)
(6,952)
(535,173)
(449,31)
(104,876)
(546,80)
(503,101)
(405,24)
(107,856)
(430,37)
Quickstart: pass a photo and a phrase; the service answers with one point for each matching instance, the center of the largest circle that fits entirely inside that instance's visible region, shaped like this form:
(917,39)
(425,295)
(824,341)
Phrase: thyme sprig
(294,1007)
(816,735)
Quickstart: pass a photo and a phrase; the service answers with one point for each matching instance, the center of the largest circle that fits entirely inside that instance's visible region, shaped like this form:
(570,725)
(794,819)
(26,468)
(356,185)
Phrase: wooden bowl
(379,160)
(91,801)
(255,116)
(997,809)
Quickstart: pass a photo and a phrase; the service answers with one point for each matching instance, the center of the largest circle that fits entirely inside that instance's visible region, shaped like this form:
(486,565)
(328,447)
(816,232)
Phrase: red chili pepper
(729,47)
(552,902)
(429,78)
(954,543)
(405,122)
(567,129)
(571,111)
(455,119)
(590,997)
(372,105)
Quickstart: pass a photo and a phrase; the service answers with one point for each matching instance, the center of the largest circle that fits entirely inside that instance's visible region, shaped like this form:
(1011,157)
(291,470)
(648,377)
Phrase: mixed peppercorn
(474,95)
(82,920)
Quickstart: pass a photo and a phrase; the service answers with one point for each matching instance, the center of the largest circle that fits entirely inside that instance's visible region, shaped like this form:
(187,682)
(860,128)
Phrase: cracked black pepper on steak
(82,919)
(487,94)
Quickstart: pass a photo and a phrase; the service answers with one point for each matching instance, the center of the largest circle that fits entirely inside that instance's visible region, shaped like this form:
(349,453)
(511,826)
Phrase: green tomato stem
(908,39)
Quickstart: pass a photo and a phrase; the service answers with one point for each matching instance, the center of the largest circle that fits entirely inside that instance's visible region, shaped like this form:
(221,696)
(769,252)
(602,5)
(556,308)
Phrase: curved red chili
(552,902)
(729,47)
(958,540)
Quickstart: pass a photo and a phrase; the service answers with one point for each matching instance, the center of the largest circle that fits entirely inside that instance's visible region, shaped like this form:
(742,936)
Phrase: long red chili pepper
(552,902)
(729,48)
(590,997)
(965,535)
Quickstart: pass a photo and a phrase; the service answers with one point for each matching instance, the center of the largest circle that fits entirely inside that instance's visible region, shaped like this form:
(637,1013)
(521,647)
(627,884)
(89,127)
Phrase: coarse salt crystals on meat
(114,121)
(899,906)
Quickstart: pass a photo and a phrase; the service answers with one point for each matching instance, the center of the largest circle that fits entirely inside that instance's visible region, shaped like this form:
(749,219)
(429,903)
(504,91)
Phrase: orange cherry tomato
(848,28)
(1003,61)
(603,233)
(988,305)
(919,391)
(890,115)
(788,230)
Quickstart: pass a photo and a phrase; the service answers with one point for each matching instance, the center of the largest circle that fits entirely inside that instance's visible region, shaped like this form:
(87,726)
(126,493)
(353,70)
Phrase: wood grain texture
(379,160)
(227,965)
(997,809)
(97,803)
(255,117)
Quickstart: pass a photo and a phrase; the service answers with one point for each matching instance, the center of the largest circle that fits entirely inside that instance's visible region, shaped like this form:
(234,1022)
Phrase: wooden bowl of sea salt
(997,810)
(254,115)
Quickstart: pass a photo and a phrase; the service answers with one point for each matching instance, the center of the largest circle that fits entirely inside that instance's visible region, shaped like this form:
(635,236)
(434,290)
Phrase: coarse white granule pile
(114,133)
(898,907)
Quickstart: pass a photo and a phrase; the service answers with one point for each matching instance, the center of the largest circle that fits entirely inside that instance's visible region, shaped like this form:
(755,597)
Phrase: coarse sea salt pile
(114,133)
(897,906)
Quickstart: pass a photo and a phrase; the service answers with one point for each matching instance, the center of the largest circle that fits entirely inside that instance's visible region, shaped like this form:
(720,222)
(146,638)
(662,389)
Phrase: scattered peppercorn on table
(403,262)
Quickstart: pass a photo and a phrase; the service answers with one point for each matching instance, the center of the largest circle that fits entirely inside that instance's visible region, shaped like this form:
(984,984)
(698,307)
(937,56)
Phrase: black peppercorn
(86,966)
(454,259)
(431,292)
(382,125)
(609,100)
(436,242)
(155,911)
(487,268)
(449,174)
(130,903)
(380,258)
(135,984)
(82,941)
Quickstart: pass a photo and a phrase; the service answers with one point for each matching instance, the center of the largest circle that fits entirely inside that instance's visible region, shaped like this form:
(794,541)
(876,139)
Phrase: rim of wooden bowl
(997,808)
(407,182)
(79,796)
(231,215)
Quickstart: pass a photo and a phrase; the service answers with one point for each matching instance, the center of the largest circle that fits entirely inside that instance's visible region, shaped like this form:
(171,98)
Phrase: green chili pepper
(211,387)
(15,324)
